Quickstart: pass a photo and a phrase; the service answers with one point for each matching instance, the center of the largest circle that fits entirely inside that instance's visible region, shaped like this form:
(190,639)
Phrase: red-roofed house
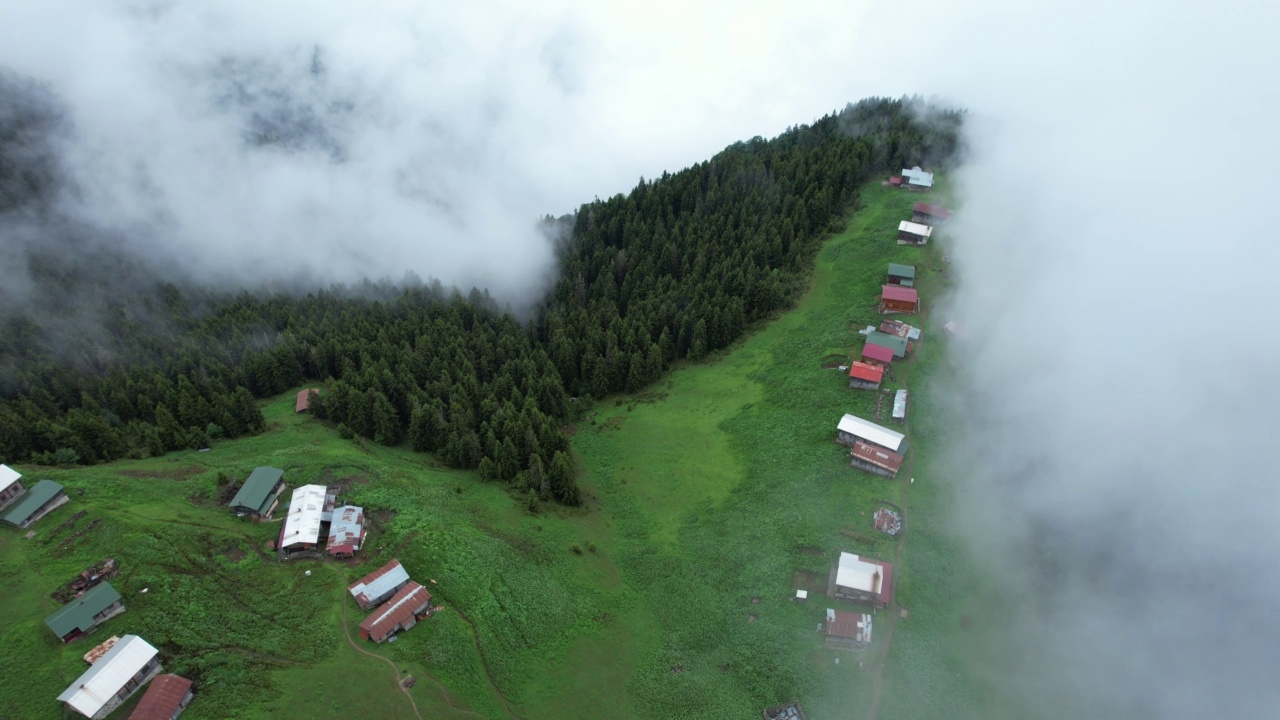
(347,531)
(849,631)
(877,355)
(303,403)
(167,697)
(875,459)
(895,181)
(400,613)
(929,214)
(895,298)
(865,375)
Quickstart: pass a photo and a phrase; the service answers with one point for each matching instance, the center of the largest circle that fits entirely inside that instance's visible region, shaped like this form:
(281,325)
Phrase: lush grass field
(711,495)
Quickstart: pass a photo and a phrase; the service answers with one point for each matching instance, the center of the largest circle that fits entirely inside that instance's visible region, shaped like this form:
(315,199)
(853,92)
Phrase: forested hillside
(678,268)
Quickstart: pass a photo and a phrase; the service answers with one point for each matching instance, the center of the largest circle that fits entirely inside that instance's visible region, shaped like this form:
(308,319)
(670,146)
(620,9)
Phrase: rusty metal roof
(346,533)
(899,293)
(163,698)
(412,599)
(304,399)
(877,456)
(848,625)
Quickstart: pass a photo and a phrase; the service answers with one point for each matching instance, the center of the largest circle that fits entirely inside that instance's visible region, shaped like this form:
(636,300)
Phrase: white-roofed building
(116,676)
(10,485)
(910,233)
(863,580)
(918,179)
(900,406)
(301,529)
(853,428)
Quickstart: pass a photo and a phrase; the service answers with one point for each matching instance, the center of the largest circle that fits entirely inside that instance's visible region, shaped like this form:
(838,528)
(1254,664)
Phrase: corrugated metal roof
(897,345)
(412,599)
(162,699)
(78,614)
(915,228)
(900,405)
(931,210)
(31,501)
(304,399)
(851,626)
(256,491)
(347,531)
(865,371)
(302,525)
(904,271)
(379,583)
(8,476)
(101,649)
(877,456)
(873,576)
(100,683)
(877,352)
(871,432)
(916,176)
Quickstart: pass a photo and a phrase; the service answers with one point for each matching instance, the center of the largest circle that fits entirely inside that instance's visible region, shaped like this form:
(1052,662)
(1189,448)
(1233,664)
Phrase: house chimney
(875,582)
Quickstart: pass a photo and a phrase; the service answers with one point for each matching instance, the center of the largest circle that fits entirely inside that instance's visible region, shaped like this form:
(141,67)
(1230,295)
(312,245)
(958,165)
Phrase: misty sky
(1112,259)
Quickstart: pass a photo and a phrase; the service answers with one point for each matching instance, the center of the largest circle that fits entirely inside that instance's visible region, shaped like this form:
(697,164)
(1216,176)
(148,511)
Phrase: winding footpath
(346,632)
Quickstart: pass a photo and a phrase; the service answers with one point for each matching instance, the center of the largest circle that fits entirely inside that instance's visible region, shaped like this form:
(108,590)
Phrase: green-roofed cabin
(80,616)
(904,275)
(259,494)
(899,345)
(37,502)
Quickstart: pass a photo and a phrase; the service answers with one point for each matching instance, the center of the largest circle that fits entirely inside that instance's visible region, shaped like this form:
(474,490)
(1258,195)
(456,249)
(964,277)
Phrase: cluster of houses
(118,669)
(875,448)
(397,602)
(313,517)
(23,507)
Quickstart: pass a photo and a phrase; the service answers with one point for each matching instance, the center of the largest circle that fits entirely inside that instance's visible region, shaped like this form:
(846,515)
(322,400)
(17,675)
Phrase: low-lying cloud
(1115,472)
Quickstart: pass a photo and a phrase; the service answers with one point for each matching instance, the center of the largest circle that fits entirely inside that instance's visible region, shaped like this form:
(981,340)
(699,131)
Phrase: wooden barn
(43,498)
(910,233)
(929,214)
(895,181)
(865,376)
(847,630)
(877,355)
(303,403)
(898,299)
(863,580)
(875,459)
(904,275)
(10,485)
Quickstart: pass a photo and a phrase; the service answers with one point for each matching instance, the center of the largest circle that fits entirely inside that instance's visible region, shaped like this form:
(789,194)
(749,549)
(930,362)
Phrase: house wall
(911,238)
(863,464)
(862,384)
(54,503)
(899,306)
(845,438)
(11,493)
(148,671)
(840,643)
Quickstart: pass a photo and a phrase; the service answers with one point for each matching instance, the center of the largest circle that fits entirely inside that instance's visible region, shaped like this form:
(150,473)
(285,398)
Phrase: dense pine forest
(678,268)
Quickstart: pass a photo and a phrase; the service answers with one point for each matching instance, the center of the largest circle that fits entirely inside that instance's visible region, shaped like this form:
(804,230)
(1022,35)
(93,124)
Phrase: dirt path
(395,668)
(893,610)
(475,637)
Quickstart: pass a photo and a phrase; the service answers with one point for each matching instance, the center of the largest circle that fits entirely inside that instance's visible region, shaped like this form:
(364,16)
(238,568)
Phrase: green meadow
(711,497)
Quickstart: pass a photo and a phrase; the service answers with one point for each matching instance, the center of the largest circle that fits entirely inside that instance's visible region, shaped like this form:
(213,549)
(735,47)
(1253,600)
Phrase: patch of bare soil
(179,474)
(806,550)
(235,553)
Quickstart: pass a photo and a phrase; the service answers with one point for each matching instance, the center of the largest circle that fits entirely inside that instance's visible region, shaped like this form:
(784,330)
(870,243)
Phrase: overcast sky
(1113,244)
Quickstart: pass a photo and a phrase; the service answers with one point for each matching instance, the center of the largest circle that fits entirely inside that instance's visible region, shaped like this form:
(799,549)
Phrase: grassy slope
(709,493)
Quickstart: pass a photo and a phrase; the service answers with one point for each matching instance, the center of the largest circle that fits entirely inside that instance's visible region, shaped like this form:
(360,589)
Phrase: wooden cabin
(898,299)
